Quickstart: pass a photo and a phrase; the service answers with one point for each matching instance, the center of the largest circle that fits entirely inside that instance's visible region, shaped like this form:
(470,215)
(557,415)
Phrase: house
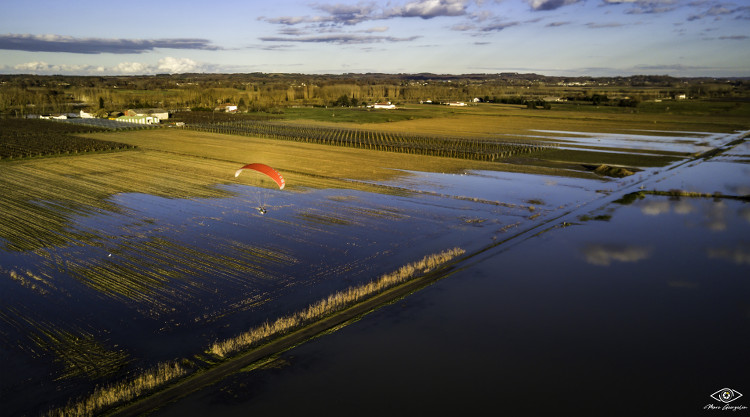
(384,105)
(229,108)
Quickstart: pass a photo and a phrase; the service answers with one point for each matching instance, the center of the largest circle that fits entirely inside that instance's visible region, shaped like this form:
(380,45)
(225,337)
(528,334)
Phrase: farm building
(160,113)
(455,103)
(141,120)
(54,116)
(229,108)
(384,105)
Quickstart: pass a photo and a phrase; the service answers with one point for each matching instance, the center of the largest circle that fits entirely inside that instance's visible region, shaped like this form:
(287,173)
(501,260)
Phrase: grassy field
(487,119)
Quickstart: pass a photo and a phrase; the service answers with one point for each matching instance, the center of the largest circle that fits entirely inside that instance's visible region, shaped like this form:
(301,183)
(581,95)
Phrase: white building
(384,105)
(141,120)
(229,108)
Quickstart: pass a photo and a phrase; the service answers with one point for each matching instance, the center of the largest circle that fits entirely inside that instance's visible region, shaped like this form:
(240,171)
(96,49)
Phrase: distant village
(156,116)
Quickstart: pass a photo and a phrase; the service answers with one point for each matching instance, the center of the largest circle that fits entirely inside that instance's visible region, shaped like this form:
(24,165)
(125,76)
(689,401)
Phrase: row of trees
(253,92)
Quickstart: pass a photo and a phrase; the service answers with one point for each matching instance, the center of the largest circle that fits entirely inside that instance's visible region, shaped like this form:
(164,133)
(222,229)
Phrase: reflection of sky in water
(699,142)
(504,187)
(709,177)
(669,228)
(606,254)
(197,270)
(645,306)
(739,152)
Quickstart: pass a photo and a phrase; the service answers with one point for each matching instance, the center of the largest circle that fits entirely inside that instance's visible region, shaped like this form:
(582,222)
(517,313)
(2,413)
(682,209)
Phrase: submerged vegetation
(110,395)
(333,303)
(107,396)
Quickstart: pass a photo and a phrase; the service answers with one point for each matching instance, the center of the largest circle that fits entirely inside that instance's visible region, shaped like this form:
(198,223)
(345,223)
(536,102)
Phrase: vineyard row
(20,138)
(466,148)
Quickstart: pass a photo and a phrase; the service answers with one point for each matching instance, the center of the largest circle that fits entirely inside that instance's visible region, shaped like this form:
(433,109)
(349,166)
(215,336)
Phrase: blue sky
(551,37)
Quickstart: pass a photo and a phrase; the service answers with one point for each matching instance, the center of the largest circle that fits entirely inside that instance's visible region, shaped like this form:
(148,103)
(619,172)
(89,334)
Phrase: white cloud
(427,9)
(131,68)
(177,65)
(169,65)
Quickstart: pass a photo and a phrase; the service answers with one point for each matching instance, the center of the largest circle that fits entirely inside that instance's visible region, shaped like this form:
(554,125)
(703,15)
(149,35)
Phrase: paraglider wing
(265,169)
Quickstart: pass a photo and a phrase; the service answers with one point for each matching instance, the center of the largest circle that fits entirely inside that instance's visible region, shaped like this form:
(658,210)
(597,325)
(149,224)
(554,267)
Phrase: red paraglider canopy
(265,169)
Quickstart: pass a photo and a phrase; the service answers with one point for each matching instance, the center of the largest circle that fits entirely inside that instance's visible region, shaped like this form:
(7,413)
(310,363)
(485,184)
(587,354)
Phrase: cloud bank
(69,44)
(168,65)
(342,38)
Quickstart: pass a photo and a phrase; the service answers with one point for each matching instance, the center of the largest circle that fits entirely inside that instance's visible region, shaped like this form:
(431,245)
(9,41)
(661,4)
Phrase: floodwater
(587,305)
(637,307)
(643,314)
(688,142)
(163,278)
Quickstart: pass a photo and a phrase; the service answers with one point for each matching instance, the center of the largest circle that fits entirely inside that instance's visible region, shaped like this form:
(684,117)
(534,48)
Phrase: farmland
(150,262)
(36,138)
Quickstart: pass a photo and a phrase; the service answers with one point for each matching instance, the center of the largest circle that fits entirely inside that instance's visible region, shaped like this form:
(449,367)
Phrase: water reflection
(739,254)
(744,212)
(709,177)
(689,142)
(605,254)
(674,307)
(505,188)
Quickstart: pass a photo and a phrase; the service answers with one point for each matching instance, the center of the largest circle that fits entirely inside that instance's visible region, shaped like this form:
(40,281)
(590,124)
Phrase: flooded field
(133,279)
(628,306)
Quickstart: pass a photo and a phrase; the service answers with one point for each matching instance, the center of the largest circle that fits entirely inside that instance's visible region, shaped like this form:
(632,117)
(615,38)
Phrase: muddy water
(645,311)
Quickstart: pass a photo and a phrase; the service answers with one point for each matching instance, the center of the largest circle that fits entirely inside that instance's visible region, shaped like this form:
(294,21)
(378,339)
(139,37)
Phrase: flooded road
(635,306)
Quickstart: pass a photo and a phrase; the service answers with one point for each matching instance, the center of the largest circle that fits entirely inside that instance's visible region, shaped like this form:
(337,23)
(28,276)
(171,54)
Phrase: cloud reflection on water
(657,207)
(605,254)
(739,254)
(745,213)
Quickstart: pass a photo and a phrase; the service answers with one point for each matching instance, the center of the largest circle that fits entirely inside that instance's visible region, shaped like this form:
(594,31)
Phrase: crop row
(23,138)
(465,148)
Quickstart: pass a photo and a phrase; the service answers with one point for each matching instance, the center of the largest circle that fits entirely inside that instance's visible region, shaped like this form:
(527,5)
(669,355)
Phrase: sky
(682,38)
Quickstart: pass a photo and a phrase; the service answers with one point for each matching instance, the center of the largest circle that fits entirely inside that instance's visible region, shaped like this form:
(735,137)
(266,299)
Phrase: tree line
(25,94)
